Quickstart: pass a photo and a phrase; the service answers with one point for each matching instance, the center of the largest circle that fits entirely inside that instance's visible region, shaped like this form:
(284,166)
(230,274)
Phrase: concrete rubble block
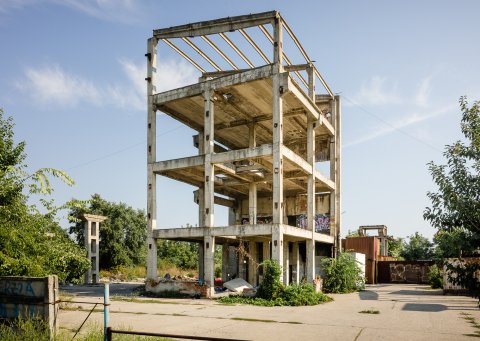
(237,285)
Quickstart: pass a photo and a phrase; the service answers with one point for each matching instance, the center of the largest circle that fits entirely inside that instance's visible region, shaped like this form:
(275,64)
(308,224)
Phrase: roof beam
(220,82)
(201,53)
(216,26)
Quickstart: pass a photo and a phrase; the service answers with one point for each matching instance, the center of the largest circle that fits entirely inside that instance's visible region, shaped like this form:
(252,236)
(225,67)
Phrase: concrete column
(310,260)
(151,158)
(209,266)
(252,263)
(277,247)
(92,243)
(286,262)
(225,262)
(209,150)
(266,250)
(338,180)
(311,177)
(296,263)
(201,268)
(277,122)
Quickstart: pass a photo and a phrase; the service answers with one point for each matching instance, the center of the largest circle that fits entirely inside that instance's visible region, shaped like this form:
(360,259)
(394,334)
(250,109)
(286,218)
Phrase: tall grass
(37,330)
(129,273)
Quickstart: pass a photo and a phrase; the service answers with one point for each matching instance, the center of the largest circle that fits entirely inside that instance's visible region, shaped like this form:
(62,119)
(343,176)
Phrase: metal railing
(111,331)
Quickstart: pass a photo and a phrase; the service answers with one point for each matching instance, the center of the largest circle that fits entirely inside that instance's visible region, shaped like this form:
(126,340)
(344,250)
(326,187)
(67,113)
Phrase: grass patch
(138,300)
(470,319)
(370,311)
(37,330)
(251,319)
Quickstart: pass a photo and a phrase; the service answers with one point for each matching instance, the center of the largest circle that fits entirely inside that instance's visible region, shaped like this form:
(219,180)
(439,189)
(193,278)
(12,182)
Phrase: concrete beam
(184,162)
(221,25)
(243,154)
(217,83)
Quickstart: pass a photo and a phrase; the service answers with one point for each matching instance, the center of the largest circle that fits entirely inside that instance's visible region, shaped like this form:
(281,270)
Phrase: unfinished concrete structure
(262,128)
(382,232)
(92,240)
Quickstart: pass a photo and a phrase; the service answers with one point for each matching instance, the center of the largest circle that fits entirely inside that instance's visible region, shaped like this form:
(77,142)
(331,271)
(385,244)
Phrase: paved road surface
(406,312)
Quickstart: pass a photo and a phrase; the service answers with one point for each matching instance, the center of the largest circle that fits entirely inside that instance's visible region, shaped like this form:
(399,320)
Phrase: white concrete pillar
(201,260)
(296,263)
(252,263)
(277,123)
(277,247)
(209,266)
(286,262)
(225,262)
(310,260)
(151,158)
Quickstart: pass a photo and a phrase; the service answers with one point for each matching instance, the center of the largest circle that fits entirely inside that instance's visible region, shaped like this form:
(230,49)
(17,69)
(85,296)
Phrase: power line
(120,150)
(391,125)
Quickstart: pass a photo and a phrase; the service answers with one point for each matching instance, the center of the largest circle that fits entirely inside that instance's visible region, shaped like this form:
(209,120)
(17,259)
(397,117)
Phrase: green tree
(452,243)
(395,247)
(455,208)
(271,286)
(183,255)
(342,274)
(32,243)
(417,248)
(122,235)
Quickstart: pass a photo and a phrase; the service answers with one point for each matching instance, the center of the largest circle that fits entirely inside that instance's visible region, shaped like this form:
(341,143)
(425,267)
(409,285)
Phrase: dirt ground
(381,312)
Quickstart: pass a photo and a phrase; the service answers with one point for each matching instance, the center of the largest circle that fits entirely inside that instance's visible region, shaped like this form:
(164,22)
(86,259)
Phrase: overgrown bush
(435,277)
(342,274)
(272,292)
(271,287)
(291,295)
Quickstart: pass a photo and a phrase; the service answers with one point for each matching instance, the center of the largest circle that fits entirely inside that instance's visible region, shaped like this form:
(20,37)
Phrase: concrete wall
(182,287)
(29,297)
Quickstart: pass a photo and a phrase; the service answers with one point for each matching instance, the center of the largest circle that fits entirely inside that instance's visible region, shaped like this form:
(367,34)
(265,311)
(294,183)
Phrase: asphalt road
(382,312)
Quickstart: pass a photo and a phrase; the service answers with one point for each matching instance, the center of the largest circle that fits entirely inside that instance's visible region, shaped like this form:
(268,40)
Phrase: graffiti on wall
(16,288)
(322,223)
(409,273)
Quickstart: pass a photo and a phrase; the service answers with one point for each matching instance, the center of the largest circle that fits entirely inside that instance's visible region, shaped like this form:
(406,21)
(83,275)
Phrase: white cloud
(50,84)
(388,128)
(423,93)
(377,91)
(113,10)
(125,11)
(10,5)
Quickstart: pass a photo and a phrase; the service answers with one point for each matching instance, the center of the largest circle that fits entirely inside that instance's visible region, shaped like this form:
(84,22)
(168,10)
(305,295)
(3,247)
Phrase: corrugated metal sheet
(370,247)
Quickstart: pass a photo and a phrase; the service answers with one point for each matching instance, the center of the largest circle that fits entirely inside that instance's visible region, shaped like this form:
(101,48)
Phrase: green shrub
(271,287)
(435,277)
(303,294)
(342,274)
(291,295)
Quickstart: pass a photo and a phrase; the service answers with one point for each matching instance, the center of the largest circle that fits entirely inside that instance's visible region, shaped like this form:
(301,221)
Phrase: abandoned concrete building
(268,148)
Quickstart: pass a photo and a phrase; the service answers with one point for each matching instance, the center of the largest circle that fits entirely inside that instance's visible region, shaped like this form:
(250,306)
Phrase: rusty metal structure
(262,128)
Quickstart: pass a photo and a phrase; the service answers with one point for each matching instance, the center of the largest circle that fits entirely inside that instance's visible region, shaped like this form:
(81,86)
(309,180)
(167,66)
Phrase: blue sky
(72,76)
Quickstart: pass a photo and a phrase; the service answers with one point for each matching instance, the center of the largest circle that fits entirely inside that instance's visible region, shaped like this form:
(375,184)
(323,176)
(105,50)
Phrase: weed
(251,319)
(370,311)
